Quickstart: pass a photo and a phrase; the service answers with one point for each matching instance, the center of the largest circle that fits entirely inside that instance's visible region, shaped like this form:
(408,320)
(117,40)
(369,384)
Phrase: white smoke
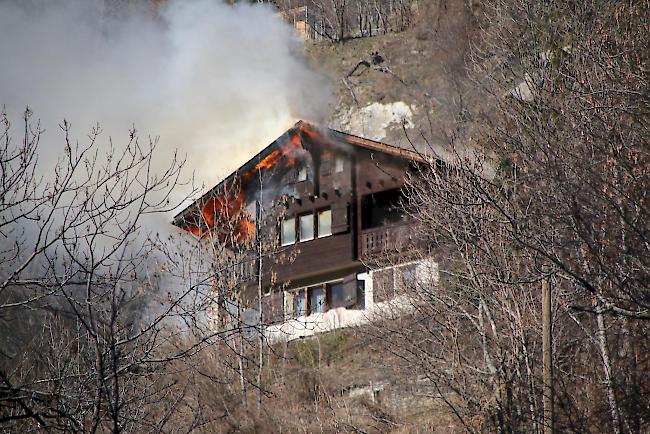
(218,82)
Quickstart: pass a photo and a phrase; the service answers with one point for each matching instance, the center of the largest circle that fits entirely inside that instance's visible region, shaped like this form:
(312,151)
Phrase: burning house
(308,215)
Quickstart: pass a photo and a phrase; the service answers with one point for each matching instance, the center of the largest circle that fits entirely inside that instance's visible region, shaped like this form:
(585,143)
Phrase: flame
(226,209)
(194,229)
(245,230)
(284,153)
(268,162)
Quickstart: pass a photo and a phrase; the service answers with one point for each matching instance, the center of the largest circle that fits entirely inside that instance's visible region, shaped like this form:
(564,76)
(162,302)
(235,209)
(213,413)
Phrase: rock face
(409,89)
(375,120)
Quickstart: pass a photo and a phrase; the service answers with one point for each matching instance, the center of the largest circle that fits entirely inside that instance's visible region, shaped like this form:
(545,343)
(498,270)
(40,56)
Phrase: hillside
(417,78)
(507,291)
(342,381)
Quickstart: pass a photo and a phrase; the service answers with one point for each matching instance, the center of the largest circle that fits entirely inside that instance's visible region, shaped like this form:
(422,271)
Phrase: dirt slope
(416,80)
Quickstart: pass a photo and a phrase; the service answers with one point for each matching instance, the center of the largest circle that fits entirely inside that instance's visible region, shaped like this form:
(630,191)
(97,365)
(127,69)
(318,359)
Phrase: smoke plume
(216,81)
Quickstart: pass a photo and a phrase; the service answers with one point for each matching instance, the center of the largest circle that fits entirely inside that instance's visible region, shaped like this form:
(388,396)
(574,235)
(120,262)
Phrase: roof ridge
(348,138)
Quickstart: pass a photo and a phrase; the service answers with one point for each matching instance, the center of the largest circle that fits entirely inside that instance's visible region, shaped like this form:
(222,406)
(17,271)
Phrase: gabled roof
(376,146)
(331,136)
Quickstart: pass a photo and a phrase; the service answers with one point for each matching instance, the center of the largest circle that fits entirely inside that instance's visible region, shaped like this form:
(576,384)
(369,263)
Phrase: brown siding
(316,256)
(321,255)
(364,172)
(341,181)
(379,172)
(340,217)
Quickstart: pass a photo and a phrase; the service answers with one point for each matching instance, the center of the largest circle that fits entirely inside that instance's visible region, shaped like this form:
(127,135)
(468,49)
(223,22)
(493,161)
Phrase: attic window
(302,174)
(338,164)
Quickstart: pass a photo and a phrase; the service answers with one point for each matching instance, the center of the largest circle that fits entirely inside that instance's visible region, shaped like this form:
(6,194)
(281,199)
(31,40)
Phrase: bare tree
(340,20)
(557,191)
(102,321)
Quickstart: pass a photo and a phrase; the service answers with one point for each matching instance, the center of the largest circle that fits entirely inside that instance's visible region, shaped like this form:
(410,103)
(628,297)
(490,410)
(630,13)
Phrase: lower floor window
(336,294)
(299,303)
(389,282)
(321,298)
(317,299)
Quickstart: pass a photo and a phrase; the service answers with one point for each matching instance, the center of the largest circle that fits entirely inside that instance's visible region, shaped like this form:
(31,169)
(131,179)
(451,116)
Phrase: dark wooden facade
(302,173)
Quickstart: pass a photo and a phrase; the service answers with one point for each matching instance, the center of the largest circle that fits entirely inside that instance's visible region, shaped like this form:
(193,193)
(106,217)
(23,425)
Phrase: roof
(377,146)
(333,135)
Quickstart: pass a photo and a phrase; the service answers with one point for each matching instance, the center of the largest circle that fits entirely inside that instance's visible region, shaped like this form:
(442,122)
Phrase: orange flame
(245,231)
(225,211)
(284,153)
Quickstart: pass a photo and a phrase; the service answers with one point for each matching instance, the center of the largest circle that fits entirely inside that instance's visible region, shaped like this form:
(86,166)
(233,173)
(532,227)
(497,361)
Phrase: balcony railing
(384,239)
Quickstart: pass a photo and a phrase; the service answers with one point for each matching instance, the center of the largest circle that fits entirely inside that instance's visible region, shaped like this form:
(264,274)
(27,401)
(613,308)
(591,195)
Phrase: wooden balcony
(389,239)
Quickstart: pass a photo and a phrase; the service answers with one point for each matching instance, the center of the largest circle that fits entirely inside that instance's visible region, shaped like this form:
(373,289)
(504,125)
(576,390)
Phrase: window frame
(302,170)
(295,234)
(330,292)
(300,294)
(339,164)
(318,220)
(324,306)
(304,294)
(313,227)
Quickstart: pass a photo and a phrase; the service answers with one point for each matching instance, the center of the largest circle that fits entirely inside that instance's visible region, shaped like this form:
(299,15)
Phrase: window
(302,173)
(336,294)
(299,303)
(317,299)
(306,227)
(320,298)
(326,165)
(288,232)
(338,164)
(324,223)
(343,293)
(361,294)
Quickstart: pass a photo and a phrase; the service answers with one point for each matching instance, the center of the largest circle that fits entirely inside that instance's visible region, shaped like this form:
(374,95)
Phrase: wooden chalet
(322,204)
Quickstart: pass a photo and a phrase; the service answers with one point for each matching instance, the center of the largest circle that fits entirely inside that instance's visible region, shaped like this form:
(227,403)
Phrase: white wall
(309,325)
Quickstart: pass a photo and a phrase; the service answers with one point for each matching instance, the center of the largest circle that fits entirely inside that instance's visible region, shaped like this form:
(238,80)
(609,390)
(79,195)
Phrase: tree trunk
(601,335)
(547,356)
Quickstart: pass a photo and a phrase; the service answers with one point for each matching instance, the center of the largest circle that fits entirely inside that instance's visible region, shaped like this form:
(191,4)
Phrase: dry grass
(307,385)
